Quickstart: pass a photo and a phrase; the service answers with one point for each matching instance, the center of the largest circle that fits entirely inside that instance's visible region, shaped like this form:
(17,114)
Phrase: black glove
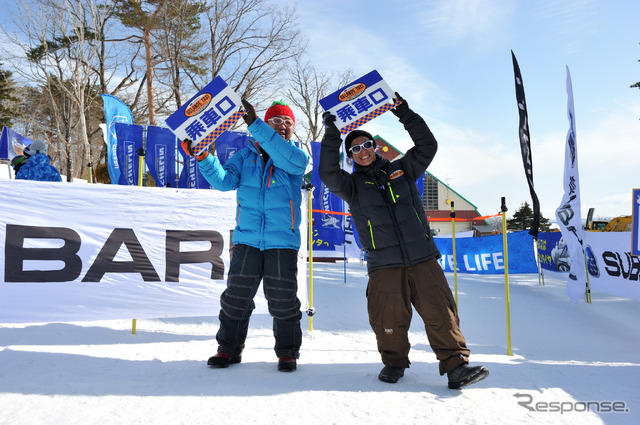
(328,121)
(400,110)
(250,113)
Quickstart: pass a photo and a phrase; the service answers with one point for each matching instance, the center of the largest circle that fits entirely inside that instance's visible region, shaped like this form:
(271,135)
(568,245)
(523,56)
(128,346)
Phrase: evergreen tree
(523,218)
(6,98)
(145,17)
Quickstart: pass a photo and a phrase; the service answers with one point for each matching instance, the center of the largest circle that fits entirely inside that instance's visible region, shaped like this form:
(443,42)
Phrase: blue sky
(451,61)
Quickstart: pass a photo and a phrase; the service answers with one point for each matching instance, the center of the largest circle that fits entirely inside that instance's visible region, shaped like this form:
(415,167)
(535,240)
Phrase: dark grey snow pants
(277,269)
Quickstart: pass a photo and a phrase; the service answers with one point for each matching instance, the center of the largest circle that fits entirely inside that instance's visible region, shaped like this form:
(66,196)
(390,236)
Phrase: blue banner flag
(12,143)
(190,176)
(553,252)
(161,156)
(328,229)
(230,142)
(129,142)
(115,111)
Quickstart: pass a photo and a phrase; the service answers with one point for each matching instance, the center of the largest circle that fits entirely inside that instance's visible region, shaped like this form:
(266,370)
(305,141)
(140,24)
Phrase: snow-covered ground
(571,364)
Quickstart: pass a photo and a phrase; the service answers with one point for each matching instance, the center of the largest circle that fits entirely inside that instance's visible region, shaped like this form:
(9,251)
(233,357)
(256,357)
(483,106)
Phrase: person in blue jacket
(268,176)
(38,167)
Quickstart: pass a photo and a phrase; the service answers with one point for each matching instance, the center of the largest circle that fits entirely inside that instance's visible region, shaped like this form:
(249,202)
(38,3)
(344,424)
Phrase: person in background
(38,167)
(268,177)
(17,162)
(401,255)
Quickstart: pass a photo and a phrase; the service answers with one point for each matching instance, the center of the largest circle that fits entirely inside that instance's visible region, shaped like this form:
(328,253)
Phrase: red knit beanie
(279,108)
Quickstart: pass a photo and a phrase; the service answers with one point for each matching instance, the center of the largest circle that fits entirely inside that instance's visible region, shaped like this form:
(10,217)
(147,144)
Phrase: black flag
(525,146)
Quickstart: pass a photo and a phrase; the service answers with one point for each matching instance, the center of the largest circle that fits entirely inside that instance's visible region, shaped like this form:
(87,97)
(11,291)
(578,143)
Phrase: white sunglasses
(280,121)
(356,148)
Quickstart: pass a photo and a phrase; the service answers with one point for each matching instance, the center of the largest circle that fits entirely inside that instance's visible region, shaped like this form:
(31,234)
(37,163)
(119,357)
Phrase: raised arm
(331,173)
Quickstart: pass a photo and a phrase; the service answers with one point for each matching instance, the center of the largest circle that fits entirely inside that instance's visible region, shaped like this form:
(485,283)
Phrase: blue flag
(328,229)
(161,156)
(190,176)
(12,143)
(228,143)
(115,111)
(129,142)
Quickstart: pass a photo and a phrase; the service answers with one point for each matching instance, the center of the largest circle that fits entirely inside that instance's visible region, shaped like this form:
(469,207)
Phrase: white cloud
(480,23)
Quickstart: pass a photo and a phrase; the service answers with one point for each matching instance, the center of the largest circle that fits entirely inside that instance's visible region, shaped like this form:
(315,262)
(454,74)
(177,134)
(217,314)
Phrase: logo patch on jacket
(396,174)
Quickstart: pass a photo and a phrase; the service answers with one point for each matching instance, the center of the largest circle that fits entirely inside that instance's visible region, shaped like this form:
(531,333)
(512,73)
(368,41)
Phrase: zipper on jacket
(270,171)
(238,216)
(293,217)
(373,244)
(418,217)
(393,198)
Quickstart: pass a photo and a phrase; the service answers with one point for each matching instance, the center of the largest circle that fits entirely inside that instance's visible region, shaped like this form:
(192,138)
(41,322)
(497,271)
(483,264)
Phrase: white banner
(612,268)
(568,213)
(72,252)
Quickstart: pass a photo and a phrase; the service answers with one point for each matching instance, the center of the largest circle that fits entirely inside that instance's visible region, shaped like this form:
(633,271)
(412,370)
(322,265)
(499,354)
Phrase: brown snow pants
(391,293)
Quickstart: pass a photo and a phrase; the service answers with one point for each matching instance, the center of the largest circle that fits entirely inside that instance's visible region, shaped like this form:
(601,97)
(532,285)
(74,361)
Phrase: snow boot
(391,374)
(464,375)
(286,364)
(222,360)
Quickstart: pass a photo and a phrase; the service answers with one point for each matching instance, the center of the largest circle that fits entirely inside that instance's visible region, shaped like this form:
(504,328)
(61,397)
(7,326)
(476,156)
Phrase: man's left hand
(402,108)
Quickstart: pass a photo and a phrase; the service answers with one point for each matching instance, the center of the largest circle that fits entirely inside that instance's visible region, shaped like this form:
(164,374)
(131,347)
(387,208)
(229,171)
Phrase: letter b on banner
(16,254)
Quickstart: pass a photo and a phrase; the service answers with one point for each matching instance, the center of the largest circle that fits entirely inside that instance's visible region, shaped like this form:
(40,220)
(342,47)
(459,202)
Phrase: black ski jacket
(385,203)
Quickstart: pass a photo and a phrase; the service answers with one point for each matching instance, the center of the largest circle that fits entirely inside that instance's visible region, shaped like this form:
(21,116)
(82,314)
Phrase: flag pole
(588,288)
(503,208)
(540,271)
(453,242)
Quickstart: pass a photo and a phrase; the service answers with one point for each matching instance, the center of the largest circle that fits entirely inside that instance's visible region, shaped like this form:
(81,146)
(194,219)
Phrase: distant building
(437,200)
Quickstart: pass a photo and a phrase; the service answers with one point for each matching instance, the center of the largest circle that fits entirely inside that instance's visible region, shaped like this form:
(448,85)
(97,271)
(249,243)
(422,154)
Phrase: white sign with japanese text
(359,101)
(208,114)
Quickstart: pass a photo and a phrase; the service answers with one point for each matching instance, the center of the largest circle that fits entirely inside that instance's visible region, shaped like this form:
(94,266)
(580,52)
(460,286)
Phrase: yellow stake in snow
(310,220)
(453,242)
(506,273)
(140,166)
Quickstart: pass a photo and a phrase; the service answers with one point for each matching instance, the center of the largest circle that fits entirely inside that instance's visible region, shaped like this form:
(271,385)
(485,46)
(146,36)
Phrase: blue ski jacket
(269,191)
(38,168)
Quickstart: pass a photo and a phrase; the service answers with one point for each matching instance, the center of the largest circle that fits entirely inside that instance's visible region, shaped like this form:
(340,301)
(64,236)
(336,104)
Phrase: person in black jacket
(401,255)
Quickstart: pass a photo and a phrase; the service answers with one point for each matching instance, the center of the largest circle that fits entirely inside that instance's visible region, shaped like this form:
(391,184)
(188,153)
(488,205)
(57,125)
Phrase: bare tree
(180,45)
(250,43)
(308,86)
(58,41)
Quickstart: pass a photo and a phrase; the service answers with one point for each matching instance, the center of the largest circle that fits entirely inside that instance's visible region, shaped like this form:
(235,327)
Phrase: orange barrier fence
(431,219)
